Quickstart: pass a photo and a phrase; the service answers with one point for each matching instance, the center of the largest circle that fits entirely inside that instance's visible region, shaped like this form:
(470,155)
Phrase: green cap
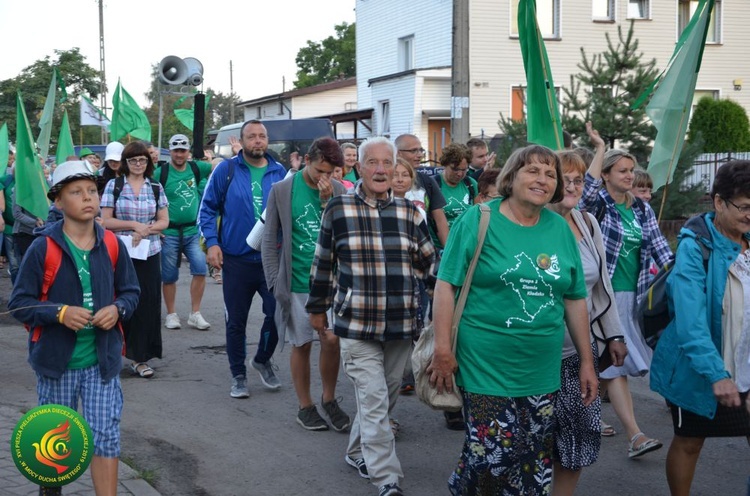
(85,152)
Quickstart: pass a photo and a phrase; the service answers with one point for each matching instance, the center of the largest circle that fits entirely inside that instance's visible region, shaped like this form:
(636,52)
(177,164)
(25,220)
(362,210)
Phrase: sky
(261,38)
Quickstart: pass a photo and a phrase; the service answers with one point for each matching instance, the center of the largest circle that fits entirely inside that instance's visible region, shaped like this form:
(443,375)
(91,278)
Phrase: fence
(705,167)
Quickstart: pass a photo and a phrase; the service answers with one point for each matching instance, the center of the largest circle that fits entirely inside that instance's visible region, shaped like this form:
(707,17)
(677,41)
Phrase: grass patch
(149,475)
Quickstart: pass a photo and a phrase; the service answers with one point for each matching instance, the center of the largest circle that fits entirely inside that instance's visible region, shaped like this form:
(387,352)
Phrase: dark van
(284,136)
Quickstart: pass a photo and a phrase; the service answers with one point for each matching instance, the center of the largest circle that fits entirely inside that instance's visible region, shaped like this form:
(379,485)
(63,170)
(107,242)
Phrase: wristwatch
(120,309)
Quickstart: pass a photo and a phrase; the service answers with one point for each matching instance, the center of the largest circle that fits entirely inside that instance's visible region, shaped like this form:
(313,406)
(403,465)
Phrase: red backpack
(53,259)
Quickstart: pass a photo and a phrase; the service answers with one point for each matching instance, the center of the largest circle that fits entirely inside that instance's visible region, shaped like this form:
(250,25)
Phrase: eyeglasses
(179,142)
(743,209)
(137,161)
(413,150)
(575,182)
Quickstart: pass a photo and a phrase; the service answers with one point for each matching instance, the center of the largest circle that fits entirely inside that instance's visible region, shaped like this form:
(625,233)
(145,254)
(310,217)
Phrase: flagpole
(545,69)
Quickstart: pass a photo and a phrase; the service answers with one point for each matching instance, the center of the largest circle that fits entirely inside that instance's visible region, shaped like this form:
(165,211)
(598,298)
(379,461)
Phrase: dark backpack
(120,183)
(653,310)
(164,172)
(466,181)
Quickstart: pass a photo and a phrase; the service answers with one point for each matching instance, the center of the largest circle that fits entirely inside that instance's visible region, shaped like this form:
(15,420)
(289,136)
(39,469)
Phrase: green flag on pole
(4,149)
(128,117)
(65,141)
(45,122)
(63,89)
(187,116)
(31,186)
(542,113)
(669,108)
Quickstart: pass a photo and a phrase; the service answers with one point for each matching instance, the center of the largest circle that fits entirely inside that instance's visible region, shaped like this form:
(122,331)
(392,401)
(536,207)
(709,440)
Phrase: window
(518,102)
(685,11)
(406,53)
(385,118)
(639,9)
(603,10)
(699,94)
(258,112)
(547,16)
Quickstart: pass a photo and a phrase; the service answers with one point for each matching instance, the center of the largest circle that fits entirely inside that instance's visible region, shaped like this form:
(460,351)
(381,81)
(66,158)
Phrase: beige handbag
(424,350)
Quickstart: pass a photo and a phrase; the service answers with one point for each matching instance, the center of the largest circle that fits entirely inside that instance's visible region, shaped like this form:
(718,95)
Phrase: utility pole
(103,76)
(460,72)
(231,93)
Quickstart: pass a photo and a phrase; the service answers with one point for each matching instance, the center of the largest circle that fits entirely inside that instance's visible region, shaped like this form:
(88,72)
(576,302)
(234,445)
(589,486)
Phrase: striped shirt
(369,256)
(596,200)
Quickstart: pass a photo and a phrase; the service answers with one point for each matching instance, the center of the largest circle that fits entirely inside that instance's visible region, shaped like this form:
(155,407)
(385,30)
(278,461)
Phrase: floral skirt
(508,446)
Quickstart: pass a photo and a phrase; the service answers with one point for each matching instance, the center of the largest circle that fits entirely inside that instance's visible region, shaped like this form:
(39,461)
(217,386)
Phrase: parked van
(284,137)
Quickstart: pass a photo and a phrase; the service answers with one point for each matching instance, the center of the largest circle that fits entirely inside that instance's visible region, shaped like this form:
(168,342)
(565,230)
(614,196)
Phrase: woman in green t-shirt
(527,285)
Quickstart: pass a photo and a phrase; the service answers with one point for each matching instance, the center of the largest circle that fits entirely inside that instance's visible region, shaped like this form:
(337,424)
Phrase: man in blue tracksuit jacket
(237,193)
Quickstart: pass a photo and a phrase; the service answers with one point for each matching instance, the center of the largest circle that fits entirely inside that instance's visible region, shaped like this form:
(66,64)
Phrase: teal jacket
(687,361)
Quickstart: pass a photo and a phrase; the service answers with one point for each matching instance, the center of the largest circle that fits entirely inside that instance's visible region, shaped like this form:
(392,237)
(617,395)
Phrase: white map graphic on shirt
(632,231)
(534,294)
(185,193)
(308,227)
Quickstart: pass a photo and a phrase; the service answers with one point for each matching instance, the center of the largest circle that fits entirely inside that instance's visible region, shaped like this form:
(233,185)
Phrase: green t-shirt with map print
(628,265)
(84,353)
(184,196)
(456,199)
(306,214)
(511,332)
(256,183)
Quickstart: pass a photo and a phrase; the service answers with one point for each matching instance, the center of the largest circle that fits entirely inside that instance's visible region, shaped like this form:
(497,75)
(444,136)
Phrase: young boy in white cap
(76,343)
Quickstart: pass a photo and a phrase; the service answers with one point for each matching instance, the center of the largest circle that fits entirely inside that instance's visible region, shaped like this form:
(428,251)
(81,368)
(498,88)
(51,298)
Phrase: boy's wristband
(61,314)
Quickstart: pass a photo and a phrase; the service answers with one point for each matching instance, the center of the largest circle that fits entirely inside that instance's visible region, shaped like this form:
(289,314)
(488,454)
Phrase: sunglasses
(179,142)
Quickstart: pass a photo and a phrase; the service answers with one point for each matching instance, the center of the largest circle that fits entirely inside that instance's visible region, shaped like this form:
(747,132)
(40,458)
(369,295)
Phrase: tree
(722,124)
(611,81)
(682,202)
(327,60)
(33,81)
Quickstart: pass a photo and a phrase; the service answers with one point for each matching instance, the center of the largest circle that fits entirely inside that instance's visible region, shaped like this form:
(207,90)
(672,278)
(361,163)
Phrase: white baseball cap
(114,151)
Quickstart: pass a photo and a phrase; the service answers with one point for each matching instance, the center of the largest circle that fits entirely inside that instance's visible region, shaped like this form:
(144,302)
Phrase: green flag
(45,122)
(669,108)
(31,186)
(65,141)
(542,113)
(128,117)
(4,149)
(63,89)
(187,116)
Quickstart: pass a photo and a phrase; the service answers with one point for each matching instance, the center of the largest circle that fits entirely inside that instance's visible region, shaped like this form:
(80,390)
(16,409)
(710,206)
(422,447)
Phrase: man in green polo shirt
(183,181)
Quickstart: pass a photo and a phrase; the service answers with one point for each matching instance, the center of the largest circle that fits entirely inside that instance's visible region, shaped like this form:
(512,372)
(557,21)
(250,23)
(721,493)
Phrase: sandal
(142,369)
(395,427)
(607,430)
(646,446)
(454,420)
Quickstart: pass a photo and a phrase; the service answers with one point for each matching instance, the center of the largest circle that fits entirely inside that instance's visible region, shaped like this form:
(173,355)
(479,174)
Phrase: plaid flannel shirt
(369,256)
(595,199)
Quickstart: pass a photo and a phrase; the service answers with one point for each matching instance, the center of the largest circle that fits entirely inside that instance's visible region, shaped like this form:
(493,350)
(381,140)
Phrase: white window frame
(406,53)
(703,92)
(384,122)
(685,11)
(556,6)
(610,16)
(647,8)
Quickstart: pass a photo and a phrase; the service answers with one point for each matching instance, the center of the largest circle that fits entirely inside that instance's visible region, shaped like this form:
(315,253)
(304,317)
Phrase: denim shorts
(171,251)
(101,401)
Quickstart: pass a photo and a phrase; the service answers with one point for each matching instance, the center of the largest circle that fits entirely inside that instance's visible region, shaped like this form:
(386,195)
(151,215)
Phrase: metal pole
(231,93)
(161,116)
(102,71)
(460,72)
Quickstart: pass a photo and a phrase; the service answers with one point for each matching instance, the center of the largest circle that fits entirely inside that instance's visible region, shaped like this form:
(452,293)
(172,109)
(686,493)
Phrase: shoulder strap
(230,176)
(163,173)
(587,220)
(484,221)
(469,185)
(52,261)
(119,184)
(196,172)
(113,247)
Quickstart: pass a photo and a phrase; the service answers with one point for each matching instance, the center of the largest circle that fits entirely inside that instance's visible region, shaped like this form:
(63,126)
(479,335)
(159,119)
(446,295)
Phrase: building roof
(310,90)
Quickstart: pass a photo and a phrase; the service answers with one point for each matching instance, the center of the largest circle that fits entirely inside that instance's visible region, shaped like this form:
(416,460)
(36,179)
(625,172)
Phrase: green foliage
(604,91)
(682,202)
(327,60)
(33,81)
(514,137)
(723,124)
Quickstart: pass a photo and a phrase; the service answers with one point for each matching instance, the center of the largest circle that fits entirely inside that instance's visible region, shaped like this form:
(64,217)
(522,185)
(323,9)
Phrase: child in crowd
(338,174)
(75,340)
(642,185)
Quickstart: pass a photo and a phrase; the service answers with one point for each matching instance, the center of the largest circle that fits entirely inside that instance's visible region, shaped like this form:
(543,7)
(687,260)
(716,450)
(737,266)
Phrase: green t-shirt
(305,227)
(8,207)
(256,183)
(628,265)
(352,176)
(84,353)
(456,199)
(184,196)
(511,332)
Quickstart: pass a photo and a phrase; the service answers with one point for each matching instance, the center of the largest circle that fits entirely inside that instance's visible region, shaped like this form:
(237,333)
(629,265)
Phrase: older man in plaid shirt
(372,248)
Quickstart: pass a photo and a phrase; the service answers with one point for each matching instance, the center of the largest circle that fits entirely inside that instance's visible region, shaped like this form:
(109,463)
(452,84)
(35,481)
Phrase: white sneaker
(196,320)
(172,322)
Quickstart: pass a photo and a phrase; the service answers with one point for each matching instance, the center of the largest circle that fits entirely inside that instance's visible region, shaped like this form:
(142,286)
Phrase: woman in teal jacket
(702,363)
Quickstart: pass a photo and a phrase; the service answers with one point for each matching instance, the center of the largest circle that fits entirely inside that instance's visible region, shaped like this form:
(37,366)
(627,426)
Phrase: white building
(404,55)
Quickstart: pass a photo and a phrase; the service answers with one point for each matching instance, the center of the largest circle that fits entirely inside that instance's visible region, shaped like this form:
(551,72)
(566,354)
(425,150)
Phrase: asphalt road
(183,428)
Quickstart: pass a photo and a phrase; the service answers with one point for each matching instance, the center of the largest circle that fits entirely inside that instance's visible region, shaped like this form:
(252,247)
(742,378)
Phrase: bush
(722,124)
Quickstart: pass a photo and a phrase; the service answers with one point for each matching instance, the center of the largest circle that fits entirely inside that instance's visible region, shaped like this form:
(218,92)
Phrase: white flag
(92,116)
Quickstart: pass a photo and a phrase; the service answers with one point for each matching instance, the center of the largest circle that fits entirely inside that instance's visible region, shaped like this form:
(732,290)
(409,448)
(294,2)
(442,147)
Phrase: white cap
(114,151)
(68,172)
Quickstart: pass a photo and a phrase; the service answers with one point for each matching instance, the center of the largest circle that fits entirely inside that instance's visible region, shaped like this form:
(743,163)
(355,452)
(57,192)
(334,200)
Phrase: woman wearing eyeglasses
(702,362)
(134,205)
(631,238)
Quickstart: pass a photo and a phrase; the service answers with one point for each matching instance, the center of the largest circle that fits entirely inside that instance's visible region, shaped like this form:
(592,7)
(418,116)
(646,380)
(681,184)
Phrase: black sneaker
(454,420)
(391,489)
(359,464)
(339,420)
(310,419)
(50,491)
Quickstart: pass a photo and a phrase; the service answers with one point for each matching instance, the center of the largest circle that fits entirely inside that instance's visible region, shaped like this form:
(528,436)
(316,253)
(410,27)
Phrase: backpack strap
(113,247)
(52,261)
(119,184)
(469,185)
(230,176)
(196,172)
(163,173)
